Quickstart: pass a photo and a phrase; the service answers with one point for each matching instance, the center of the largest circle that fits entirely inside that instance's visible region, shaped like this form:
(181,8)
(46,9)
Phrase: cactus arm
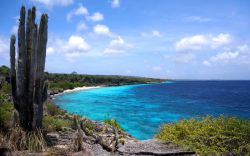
(39,79)
(13,70)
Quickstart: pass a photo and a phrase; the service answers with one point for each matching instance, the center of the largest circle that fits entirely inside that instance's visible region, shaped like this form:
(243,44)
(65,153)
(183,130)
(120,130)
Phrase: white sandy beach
(81,88)
(78,89)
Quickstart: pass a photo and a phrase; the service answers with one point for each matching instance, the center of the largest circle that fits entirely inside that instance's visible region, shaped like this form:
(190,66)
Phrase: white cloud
(197,19)
(182,58)
(81,26)
(52,3)
(117,45)
(243,48)
(129,71)
(72,48)
(191,43)
(156,33)
(157,68)
(241,55)
(14,29)
(198,42)
(115,3)
(50,50)
(224,56)
(153,33)
(206,63)
(4,47)
(102,30)
(80,11)
(97,16)
(220,40)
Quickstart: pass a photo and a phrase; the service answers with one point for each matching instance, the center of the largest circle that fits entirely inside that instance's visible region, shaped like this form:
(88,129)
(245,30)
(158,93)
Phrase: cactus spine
(29,88)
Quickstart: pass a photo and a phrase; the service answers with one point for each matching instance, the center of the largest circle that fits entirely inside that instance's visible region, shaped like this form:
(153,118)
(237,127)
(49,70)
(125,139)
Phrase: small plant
(114,123)
(75,122)
(121,140)
(89,125)
(77,142)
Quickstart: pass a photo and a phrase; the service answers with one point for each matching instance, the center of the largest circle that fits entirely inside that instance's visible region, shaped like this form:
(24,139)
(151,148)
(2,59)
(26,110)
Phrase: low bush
(209,135)
(6,88)
(52,109)
(6,109)
(52,123)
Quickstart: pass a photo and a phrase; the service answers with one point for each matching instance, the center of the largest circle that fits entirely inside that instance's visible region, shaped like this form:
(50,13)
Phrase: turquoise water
(141,109)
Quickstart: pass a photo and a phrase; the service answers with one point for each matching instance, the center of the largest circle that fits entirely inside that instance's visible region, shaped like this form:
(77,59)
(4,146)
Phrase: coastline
(52,94)
(59,92)
(81,88)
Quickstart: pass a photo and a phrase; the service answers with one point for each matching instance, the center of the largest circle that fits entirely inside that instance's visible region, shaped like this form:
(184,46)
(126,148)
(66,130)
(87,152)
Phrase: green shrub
(4,70)
(6,88)
(52,109)
(113,123)
(6,109)
(209,135)
(52,123)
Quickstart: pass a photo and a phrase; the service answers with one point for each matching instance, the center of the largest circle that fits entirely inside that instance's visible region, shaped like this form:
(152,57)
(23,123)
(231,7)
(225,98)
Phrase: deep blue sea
(141,109)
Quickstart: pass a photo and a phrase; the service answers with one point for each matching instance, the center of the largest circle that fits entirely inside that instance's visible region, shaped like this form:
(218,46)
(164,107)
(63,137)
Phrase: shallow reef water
(141,109)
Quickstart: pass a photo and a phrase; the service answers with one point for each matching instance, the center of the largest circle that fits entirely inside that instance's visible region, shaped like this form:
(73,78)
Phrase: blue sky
(179,39)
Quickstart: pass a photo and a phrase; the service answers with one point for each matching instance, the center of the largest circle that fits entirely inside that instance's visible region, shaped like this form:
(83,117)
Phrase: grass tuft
(18,140)
(36,141)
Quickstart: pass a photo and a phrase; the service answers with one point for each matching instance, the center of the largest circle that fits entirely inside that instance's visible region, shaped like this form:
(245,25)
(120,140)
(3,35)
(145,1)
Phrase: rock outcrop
(104,140)
(153,147)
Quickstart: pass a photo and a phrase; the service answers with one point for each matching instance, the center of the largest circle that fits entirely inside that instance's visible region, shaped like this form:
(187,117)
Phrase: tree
(29,87)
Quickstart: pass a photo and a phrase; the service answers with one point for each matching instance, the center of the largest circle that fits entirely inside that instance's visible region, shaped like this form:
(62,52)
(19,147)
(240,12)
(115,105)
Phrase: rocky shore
(105,140)
(94,138)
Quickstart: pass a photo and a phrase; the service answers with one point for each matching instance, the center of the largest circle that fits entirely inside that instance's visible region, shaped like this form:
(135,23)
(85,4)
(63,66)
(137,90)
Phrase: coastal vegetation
(60,82)
(209,135)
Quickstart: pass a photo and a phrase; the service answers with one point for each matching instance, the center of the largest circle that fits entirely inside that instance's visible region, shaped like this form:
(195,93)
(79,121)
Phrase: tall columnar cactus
(29,87)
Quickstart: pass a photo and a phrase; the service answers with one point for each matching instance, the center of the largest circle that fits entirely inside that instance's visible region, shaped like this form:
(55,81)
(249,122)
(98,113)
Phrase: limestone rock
(153,147)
